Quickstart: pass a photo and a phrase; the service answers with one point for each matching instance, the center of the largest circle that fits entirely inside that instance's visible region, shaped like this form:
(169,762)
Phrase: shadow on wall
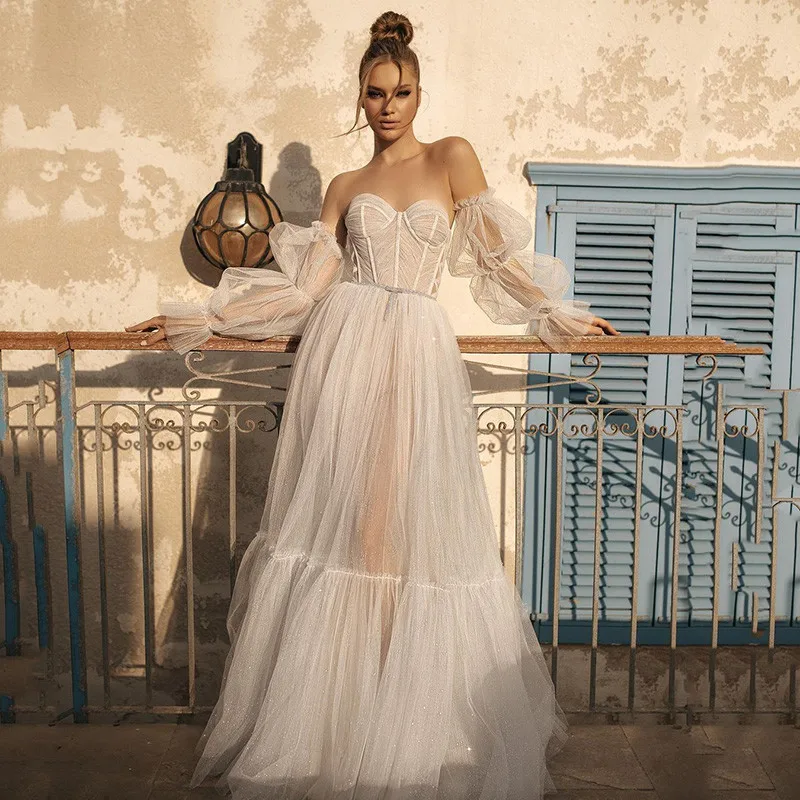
(123,425)
(296,181)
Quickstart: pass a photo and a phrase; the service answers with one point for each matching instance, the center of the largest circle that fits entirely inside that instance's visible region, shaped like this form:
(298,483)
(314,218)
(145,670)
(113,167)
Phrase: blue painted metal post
(7,714)
(42,593)
(3,401)
(10,576)
(68,431)
(40,569)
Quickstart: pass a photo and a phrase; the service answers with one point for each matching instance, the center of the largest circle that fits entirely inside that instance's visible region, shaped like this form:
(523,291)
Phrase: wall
(115,116)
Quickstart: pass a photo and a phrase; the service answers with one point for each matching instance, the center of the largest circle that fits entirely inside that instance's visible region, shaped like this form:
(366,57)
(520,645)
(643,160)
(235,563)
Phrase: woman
(377,648)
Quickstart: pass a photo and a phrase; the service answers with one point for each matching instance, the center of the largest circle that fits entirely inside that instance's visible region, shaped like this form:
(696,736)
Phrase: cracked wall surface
(114,116)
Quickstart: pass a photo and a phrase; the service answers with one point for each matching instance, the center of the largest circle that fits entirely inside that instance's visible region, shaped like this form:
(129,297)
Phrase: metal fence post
(8,548)
(68,439)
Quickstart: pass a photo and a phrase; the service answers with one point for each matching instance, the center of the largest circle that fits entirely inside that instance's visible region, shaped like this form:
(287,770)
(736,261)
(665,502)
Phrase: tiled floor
(599,762)
(656,761)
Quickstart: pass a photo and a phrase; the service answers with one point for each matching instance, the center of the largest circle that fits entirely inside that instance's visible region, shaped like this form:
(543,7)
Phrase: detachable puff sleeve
(512,284)
(256,303)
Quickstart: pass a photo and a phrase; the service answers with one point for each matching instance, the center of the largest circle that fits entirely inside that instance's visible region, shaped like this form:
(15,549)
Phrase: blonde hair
(390,36)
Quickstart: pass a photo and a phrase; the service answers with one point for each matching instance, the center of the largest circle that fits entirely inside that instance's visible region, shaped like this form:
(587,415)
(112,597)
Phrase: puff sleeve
(511,284)
(256,303)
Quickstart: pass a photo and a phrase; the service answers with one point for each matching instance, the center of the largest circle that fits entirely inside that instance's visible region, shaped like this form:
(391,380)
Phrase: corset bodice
(405,248)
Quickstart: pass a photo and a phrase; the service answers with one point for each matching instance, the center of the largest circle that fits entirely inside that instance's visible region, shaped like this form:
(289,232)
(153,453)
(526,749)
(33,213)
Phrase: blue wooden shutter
(729,266)
(741,286)
(621,259)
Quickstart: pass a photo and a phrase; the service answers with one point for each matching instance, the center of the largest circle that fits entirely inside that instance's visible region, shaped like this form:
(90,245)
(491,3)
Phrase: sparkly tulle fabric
(378,650)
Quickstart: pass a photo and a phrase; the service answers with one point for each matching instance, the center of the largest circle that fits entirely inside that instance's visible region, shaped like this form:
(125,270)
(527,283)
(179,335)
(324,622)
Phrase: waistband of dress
(399,289)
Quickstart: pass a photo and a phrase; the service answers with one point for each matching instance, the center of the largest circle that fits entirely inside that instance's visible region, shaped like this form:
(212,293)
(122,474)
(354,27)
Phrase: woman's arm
(256,303)
(509,283)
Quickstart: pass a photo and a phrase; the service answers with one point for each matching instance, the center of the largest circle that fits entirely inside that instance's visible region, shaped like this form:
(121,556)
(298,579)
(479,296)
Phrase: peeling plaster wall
(114,116)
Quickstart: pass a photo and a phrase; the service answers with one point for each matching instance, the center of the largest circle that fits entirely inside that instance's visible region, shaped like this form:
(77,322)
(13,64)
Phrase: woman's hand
(158,323)
(601,327)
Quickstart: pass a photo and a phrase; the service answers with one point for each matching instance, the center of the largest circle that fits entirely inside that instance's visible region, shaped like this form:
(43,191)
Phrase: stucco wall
(115,116)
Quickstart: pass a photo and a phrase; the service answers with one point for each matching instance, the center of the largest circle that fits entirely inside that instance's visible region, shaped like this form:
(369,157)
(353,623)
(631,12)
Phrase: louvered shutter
(741,284)
(621,259)
(725,262)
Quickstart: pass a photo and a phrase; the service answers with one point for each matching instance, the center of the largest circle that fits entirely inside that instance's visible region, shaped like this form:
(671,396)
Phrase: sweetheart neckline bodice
(404,212)
(398,248)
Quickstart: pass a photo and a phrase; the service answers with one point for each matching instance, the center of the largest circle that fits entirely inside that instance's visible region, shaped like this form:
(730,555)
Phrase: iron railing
(146,474)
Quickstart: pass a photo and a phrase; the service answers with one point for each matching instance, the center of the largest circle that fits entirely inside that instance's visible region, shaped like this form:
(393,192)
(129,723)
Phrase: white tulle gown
(378,649)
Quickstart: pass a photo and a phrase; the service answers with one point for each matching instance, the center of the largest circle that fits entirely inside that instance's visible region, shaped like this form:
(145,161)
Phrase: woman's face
(393,120)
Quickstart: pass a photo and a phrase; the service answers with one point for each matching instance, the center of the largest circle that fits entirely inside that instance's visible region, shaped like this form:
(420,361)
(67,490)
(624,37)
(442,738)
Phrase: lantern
(232,223)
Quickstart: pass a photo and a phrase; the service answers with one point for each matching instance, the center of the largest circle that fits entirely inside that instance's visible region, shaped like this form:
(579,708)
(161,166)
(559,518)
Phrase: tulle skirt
(378,649)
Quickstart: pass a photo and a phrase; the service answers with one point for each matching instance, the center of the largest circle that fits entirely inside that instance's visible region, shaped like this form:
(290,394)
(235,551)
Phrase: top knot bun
(390,25)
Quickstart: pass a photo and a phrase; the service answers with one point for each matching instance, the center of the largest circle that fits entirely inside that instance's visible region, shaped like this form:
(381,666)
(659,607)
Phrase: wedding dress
(378,650)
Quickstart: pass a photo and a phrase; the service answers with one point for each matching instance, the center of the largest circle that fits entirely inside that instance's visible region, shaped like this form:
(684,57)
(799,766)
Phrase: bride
(378,649)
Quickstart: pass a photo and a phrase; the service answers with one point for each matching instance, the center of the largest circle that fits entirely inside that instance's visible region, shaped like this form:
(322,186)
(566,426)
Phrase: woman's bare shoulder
(454,148)
(463,167)
(347,175)
(342,185)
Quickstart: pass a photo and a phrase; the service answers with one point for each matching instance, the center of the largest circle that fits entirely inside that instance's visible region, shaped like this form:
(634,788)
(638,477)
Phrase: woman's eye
(404,93)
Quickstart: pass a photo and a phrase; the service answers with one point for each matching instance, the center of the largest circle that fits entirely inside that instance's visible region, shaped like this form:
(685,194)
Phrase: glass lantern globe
(232,223)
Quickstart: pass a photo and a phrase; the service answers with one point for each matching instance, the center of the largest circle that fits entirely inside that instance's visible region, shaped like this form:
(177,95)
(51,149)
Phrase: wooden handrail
(61,341)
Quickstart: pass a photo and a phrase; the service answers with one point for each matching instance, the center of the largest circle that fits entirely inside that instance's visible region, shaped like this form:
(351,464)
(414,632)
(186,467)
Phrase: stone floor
(144,761)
